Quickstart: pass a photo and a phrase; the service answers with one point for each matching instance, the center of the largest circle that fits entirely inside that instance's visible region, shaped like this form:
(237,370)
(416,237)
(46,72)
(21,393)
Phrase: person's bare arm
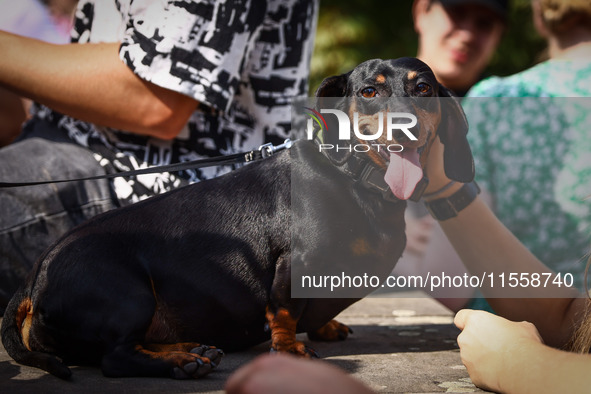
(485,245)
(509,357)
(91,83)
(12,116)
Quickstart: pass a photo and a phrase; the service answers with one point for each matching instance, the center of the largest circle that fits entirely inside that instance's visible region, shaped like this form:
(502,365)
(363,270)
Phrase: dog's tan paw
(330,332)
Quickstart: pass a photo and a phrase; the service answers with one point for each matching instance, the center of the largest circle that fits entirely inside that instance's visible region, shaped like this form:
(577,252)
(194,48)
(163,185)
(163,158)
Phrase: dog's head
(372,90)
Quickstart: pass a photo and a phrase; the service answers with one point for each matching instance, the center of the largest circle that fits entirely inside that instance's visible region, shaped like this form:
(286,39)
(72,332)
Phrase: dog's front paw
(205,359)
(331,331)
(283,334)
(299,349)
(178,360)
(210,352)
(194,369)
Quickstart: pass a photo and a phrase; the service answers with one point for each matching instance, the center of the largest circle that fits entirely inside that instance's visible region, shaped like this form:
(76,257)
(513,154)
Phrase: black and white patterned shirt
(244,59)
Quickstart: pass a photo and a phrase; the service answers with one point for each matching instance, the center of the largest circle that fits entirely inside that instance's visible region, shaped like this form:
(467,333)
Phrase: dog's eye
(423,88)
(369,92)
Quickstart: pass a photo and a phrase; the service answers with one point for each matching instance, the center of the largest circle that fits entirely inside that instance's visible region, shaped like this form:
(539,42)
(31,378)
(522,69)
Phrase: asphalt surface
(400,345)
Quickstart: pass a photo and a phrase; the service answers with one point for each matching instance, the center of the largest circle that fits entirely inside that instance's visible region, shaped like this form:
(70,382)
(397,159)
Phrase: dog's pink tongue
(403,173)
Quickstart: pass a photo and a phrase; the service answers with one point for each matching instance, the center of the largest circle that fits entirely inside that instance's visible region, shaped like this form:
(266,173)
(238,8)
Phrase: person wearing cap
(457,38)
(529,135)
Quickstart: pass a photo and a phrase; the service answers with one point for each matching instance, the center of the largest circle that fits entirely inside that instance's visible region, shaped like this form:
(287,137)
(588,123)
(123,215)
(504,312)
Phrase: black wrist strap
(446,208)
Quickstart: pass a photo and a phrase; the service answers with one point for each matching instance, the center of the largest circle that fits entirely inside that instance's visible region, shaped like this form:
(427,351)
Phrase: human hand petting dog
(435,172)
(491,345)
(286,374)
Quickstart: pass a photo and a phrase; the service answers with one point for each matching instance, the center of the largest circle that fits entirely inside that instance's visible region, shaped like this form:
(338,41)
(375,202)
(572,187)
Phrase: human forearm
(485,245)
(12,116)
(509,357)
(535,368)
(488,249)
(91,83)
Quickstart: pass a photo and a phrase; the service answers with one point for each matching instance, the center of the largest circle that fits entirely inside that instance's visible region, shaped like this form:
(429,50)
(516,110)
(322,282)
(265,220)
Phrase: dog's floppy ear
(453,128)
(333,86)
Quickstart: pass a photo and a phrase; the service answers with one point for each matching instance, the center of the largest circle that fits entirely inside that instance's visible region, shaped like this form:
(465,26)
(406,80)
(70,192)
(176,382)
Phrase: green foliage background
(352,31)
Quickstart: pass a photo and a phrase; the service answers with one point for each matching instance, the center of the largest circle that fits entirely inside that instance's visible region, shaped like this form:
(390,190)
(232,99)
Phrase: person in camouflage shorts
(143,83)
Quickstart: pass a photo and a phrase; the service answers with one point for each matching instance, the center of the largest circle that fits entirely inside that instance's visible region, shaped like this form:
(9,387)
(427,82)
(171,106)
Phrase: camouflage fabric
(243,59)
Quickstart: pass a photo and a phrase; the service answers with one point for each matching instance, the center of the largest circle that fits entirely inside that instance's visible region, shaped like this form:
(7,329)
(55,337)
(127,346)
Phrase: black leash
(262,152)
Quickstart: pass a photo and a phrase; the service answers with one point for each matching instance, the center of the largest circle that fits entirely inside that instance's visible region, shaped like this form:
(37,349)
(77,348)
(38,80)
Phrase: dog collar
(371,177)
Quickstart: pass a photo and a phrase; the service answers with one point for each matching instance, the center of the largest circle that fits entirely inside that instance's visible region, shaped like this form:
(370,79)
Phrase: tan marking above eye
(411,75)
(380,78)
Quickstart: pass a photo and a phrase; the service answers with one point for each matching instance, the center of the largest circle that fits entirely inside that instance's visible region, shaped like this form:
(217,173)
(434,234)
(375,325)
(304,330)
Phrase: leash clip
(249,156)
(269,149)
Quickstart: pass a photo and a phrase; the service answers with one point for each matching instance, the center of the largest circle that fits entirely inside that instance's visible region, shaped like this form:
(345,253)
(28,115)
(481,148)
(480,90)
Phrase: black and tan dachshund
(137,290)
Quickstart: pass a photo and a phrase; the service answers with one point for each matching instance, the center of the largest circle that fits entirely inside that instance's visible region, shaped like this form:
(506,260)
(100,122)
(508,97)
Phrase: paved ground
(399,345)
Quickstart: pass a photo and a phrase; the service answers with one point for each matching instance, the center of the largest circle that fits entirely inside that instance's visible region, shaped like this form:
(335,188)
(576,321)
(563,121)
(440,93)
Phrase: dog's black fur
(211,262)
